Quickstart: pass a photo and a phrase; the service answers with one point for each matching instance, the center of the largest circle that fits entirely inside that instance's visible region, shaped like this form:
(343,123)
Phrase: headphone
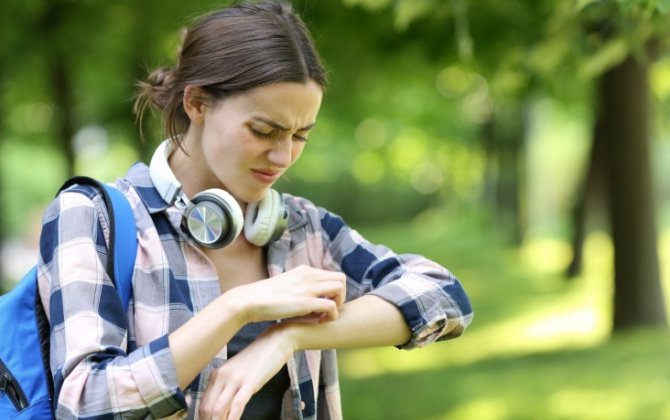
(213,218)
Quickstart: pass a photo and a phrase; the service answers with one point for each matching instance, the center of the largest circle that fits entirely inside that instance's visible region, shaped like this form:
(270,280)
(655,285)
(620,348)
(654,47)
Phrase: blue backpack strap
(122,236)
(124,244)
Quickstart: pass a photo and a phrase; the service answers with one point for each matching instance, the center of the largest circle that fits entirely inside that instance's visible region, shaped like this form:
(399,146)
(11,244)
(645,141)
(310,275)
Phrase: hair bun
(156,89)
(162,77)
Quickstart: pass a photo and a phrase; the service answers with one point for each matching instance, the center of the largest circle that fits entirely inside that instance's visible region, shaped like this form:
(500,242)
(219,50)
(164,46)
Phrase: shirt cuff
(429,311)
(155,373)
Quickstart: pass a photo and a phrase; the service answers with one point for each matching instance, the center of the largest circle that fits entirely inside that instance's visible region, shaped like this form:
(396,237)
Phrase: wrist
(236,306)
(291,333)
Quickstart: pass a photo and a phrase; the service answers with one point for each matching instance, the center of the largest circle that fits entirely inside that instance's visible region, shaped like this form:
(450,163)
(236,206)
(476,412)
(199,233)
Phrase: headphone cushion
(227,204)
(262,219)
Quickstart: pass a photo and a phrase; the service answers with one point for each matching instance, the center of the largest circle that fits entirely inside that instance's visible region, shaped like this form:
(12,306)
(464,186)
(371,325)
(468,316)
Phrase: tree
(625,34)
(624,93)
(602,43)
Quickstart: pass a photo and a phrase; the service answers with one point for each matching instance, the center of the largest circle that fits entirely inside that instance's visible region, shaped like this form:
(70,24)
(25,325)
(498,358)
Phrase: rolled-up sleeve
(94,374)
(430,298)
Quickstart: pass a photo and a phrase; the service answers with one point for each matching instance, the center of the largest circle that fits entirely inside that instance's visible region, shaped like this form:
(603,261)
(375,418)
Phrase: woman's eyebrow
(278,126)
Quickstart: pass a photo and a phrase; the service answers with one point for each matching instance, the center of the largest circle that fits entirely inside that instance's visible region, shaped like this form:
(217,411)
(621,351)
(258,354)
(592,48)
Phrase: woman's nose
(280,153)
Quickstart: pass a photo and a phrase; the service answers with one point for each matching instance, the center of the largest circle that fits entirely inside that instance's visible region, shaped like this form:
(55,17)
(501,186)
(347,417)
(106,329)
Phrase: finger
(334,290)
(212,391)
(313,318)
(331,288)
(339,298)
(314,308)
(222,405)
(239,402)
(325,306)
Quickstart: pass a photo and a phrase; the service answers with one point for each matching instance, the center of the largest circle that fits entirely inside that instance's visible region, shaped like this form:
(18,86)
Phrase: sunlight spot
(368,167)
(659,78)
(35,117)
(91,142)
(477,105)
(579,321)
(546,254)
(598,253)
(408,149)
(370,133)
(426,178)
(590,403)
(483,408)
(664,261)
(453,82)
(510,336)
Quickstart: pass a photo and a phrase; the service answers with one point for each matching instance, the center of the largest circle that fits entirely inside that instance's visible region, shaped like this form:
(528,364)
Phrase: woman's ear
(195,103)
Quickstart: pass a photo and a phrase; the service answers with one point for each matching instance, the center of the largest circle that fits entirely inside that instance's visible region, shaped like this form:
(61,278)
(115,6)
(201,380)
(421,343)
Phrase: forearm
(296,293)
(198,341)
(368,321)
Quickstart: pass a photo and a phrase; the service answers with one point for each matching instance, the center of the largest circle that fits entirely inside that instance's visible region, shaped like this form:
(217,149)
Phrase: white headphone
(212,217)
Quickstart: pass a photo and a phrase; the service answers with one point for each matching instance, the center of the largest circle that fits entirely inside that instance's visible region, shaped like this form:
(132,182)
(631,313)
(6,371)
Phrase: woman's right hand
(303,292)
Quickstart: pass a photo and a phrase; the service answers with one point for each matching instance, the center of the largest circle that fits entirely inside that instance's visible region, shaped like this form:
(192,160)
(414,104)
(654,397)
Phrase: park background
(522,144)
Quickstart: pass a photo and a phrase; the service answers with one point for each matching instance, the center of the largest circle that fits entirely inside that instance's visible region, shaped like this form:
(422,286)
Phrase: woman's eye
(299,137)
(263,133)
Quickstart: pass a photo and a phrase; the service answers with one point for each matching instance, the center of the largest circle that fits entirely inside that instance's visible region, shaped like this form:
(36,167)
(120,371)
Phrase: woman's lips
(266,177)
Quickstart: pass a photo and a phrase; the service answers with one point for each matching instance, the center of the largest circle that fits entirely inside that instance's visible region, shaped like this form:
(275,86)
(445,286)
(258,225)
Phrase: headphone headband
(161,175)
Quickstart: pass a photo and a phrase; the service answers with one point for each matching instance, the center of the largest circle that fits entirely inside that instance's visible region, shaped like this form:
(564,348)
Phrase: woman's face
(249,140)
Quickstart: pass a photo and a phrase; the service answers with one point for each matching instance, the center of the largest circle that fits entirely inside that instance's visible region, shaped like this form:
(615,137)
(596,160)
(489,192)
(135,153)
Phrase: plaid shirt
(106,362)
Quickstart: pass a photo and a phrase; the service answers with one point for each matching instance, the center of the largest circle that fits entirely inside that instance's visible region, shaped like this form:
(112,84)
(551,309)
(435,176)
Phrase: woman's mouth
(266,176)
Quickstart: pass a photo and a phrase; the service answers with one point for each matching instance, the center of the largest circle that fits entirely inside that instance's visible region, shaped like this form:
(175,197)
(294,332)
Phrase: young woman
(240,294)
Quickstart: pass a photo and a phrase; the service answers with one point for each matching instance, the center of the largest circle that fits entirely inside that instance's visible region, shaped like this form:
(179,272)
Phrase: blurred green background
(522,144)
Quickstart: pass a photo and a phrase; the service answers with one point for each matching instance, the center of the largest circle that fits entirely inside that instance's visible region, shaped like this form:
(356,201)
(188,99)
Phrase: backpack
(26,384)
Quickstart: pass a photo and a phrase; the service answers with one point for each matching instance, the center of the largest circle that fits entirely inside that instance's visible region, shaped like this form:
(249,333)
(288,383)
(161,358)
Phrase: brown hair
(230,51)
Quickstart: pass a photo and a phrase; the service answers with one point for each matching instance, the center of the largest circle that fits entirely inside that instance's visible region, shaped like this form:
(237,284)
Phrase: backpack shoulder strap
(122,235)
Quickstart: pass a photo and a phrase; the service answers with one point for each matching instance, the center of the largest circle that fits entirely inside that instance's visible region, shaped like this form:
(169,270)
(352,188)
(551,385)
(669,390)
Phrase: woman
(224,324)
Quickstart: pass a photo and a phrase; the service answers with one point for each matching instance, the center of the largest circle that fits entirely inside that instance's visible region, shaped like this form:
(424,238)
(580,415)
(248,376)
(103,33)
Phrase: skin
(243,144)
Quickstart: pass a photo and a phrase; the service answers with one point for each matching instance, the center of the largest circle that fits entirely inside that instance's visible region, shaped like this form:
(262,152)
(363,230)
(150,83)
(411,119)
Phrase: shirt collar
(138,176)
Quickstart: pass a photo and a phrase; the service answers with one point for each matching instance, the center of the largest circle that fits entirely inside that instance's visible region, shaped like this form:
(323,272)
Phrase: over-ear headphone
(213,218)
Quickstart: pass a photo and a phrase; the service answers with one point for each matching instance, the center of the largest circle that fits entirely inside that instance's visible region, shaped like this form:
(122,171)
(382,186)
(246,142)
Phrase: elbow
(455,327)
(452,313)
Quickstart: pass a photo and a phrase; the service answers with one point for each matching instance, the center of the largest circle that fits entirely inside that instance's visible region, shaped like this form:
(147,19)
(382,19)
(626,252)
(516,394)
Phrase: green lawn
(539,346)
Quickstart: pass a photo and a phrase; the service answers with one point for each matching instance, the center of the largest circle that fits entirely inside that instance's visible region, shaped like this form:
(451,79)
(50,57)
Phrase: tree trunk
(140,52)
(62,95)
(51,25)
(509,135)
(490,162)
(638,299)
(589,195)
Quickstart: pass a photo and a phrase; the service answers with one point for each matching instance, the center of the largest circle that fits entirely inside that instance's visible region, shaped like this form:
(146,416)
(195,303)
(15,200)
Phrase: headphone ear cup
(266,220)
(214,218)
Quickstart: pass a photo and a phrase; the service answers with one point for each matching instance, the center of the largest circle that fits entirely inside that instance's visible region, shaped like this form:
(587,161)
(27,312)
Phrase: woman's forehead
(285,103)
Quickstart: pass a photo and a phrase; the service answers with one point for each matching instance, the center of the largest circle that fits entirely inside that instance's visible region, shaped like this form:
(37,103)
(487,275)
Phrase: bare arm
(364,322)
(368,321)
(295,293)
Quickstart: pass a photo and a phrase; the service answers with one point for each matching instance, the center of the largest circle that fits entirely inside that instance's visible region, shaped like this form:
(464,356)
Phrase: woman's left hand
(232,385)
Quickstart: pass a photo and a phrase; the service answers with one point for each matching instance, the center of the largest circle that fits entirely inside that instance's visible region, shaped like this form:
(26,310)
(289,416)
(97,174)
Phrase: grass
(627,378)
(539,346)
